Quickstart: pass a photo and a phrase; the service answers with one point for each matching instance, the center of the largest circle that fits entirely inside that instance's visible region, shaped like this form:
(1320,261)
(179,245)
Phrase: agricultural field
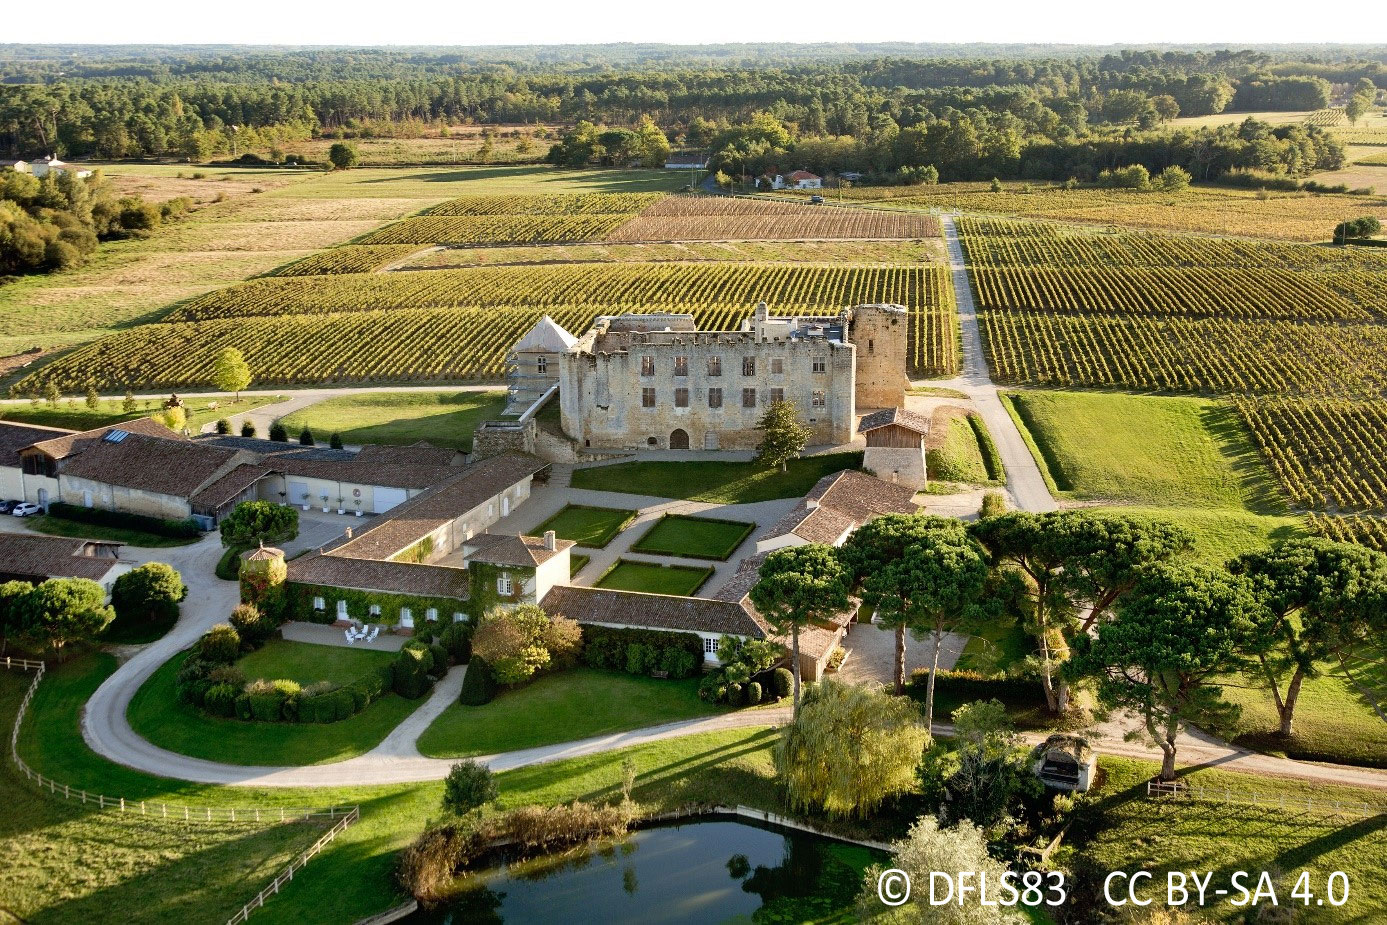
(1375,159)
(496,229)
(350,258)
(517,144)
(856,252)
(577,204)
(707,218)
(459,324)
(440,418)
(1369,531)
(1199,209)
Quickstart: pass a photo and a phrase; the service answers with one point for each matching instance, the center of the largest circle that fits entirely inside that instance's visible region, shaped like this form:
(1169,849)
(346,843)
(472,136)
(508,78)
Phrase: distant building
(686,162)
(16,166)
(51,164)
(803,179)
(36,559)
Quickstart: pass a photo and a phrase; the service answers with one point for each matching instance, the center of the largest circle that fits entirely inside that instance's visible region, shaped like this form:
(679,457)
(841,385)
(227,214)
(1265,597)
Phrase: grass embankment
(678,580)
(1188,460)
(1333,721)
(966,454)
(593,527)
(693,537)
(562,707)
(157,714)
(440,418)
(714,482)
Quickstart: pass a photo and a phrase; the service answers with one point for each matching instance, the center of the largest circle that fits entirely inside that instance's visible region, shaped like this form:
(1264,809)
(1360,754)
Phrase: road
(1025,484)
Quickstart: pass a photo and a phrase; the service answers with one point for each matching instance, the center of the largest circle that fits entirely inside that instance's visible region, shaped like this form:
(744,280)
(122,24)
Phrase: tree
(148,594)
(1315,594)
(990,769)
(128,403)
(1180,627)
(254,522)
(515,641)
(11,614)
(343,155)
(279,433)
(1173,179)
(468,788)
(174,418)
(800,586)
(1365,227)
(306,438)
(335,441)
(783,437)
(926,848)
(230,373)
(1106,554)
(849,748)
(93,399)
(63,611)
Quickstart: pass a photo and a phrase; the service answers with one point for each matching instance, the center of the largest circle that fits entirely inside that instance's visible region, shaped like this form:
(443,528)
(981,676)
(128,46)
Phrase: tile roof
(814,525)
(654,611)
(862,496)
(377,575)
(275,447)
(229,486)
(416,454)
(509,549)
(388,475)
(73,441)
(15,436)
(466,488)
(814,641)
(888,416)
(43,557)
(155,464)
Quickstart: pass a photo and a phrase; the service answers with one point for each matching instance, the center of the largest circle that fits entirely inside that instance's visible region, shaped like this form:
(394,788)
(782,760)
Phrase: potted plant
(341,508)
(358,507)
(305,500)
(324,498)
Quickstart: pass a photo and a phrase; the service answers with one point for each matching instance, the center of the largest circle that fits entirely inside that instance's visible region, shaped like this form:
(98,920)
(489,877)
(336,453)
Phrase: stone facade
(655,381)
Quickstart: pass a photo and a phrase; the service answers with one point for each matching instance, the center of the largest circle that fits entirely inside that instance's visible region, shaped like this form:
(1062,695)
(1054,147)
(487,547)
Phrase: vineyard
(610,287)
(495,229)
(349,258)
(1325,118)
(710,218)
(1369,531)
(576,204)
(895,252)
(403,345)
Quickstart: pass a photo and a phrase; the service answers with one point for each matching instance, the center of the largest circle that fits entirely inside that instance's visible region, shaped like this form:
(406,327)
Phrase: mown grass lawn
(73,414)
(562,707)
(441,418)
(157,714)
(693,537)
(629,575)
(963,456)
(53,525)
(593,527)
(1222,533)
(714,482)
(307,662)
(1332,721)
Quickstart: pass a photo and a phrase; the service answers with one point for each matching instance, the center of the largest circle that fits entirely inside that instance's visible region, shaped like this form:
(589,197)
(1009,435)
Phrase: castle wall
(881,334)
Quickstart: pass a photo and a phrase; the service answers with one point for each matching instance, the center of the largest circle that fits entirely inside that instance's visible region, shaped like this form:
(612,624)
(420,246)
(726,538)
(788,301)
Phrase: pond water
(700,872)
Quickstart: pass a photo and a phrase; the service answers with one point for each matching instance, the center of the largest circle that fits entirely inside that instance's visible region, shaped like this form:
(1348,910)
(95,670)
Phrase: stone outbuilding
(896,446)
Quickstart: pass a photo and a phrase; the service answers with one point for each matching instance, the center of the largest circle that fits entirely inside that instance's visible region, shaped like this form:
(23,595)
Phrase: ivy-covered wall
(300,604)
(481,577)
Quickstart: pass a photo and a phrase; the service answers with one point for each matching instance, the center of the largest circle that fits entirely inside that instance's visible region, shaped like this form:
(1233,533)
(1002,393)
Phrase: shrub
(457,639)
(427,631)
(971,685)
(253,626)
(734,695)
(266,702)
(243,708)
(440,660)
(192,680)
(478,685)
(317,709)
(783,681)
(223,426)
(174,529)
(360,699)
(678,663)
(753,693)
(512,642)
(639,658)
(679,654)
(344,703)
(411,671)
(220,645)
(335,441)
(468,787)
(220,700)
(248,428)
(279,433)
(229,565)
(149,594)
(993,504)
(306,438)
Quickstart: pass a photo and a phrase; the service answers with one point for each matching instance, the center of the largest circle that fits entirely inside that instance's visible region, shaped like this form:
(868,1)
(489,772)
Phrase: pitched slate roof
(43,557)
(841,502)
(654,611)
(389,475)
(814,525)
(275,447)
(154,464)
(379,575)
(899,416)
(416,454)
(508,549)
(15,437)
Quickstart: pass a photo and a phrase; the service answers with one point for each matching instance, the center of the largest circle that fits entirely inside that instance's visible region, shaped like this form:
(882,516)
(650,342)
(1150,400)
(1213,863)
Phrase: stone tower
(881,335)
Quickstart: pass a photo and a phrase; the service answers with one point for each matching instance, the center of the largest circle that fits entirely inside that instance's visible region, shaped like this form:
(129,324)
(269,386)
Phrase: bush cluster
(973,685)
(642,652)
(479,684)
(748,668)
(175,529)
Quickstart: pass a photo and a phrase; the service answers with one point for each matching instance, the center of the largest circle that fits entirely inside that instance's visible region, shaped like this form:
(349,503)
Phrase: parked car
(7,506)
(25,509)
(816,200)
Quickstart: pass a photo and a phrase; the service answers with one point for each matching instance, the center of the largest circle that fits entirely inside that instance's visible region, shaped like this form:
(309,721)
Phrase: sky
(548,22)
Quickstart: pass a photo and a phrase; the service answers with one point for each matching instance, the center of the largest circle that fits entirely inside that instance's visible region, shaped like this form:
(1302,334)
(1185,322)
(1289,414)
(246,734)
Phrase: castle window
(715,398)
(681,366)
(681,398)
(871,345)
(748,366)
(542,365)
(715,366)
(777,366)
(647,366)
(777,395)
(647,398)
(748,398)
(504,586)
(818,399)
(820,364)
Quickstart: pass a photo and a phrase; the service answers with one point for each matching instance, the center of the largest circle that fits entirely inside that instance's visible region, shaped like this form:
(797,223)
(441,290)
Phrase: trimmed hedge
(642,651)
(973,685)
(410,671)
(456,638)
(174,529)
(478,685)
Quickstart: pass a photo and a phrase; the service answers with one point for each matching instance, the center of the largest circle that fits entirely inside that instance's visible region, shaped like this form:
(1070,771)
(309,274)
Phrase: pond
(699,872)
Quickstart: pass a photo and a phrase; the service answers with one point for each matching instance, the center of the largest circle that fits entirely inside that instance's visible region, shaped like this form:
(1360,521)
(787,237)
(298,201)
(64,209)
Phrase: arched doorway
(679,439)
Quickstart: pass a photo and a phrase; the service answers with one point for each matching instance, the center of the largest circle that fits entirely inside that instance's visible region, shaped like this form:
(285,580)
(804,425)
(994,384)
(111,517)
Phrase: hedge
(174,529)
(642,651)
(972,685)
(478,685)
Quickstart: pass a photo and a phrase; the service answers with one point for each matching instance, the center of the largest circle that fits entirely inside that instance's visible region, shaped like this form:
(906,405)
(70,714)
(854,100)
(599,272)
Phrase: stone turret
(881,334)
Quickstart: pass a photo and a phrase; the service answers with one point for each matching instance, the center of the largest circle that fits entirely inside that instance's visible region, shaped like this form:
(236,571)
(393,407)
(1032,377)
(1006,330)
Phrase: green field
(1332,722)
(680,580)
(441,418)
(693,537)
(157,714)
(307,663)
(714,482)
(563,707)
(966,454)
(593,527)
(73,414)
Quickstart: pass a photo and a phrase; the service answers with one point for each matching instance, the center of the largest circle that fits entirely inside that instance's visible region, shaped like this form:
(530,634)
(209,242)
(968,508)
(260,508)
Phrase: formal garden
(715,482)
(593,527)
(693,537)
(653,578)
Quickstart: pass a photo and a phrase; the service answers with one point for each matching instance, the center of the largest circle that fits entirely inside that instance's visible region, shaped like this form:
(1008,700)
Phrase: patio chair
(350,638)
(375,631)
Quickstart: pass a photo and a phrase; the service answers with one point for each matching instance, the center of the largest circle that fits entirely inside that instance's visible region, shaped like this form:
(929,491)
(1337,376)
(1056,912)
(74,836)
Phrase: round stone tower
(881,335)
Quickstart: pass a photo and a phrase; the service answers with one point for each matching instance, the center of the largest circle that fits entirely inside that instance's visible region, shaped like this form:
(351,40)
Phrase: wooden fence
(297,864)
(1194,791)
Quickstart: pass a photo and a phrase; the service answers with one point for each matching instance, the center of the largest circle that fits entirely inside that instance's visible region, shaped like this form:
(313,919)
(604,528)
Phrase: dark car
(816,200)
(6,506)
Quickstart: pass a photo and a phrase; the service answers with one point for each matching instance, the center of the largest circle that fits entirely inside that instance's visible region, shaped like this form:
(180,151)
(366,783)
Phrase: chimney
(811,504)
(550,540)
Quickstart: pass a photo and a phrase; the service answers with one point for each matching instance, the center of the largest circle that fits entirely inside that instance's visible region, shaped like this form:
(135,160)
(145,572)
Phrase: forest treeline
(1012,116)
